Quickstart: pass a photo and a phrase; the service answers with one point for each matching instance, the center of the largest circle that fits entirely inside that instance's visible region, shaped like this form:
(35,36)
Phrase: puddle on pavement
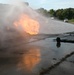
(37,57)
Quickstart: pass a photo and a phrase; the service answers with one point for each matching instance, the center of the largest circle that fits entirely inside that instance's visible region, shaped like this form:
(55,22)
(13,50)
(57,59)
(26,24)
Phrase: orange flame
(31,26)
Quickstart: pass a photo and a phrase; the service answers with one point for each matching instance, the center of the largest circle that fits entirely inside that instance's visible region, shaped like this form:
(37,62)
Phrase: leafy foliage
(52,12)
(60,13)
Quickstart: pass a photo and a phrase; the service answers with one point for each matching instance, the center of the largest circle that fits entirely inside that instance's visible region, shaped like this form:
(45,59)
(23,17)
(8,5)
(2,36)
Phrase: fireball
(28,24)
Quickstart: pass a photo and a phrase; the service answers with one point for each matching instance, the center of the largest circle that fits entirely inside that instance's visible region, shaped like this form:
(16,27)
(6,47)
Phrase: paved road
(55,26)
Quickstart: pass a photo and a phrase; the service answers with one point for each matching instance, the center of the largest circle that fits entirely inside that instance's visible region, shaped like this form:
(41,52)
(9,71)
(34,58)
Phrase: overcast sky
(47,4)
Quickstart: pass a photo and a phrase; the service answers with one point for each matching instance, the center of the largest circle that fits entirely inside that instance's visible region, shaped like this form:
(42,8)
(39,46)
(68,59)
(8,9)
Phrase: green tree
(59,14)
(51,12)
(65,13)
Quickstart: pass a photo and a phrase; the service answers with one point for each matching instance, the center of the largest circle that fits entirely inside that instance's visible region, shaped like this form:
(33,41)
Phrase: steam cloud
(8,16)
(12,9)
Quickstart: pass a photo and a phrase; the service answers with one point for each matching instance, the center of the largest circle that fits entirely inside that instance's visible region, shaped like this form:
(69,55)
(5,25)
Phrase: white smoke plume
(8,14)
(15,3)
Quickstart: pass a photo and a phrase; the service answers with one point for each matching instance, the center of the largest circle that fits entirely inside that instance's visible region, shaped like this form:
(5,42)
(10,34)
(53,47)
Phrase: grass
(71,21)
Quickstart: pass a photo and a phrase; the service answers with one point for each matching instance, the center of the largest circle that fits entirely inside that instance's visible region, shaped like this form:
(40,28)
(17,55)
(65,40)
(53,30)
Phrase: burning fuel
(29,25)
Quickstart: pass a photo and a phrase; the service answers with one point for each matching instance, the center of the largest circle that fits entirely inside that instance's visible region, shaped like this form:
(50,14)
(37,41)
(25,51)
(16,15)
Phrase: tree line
(59,13)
